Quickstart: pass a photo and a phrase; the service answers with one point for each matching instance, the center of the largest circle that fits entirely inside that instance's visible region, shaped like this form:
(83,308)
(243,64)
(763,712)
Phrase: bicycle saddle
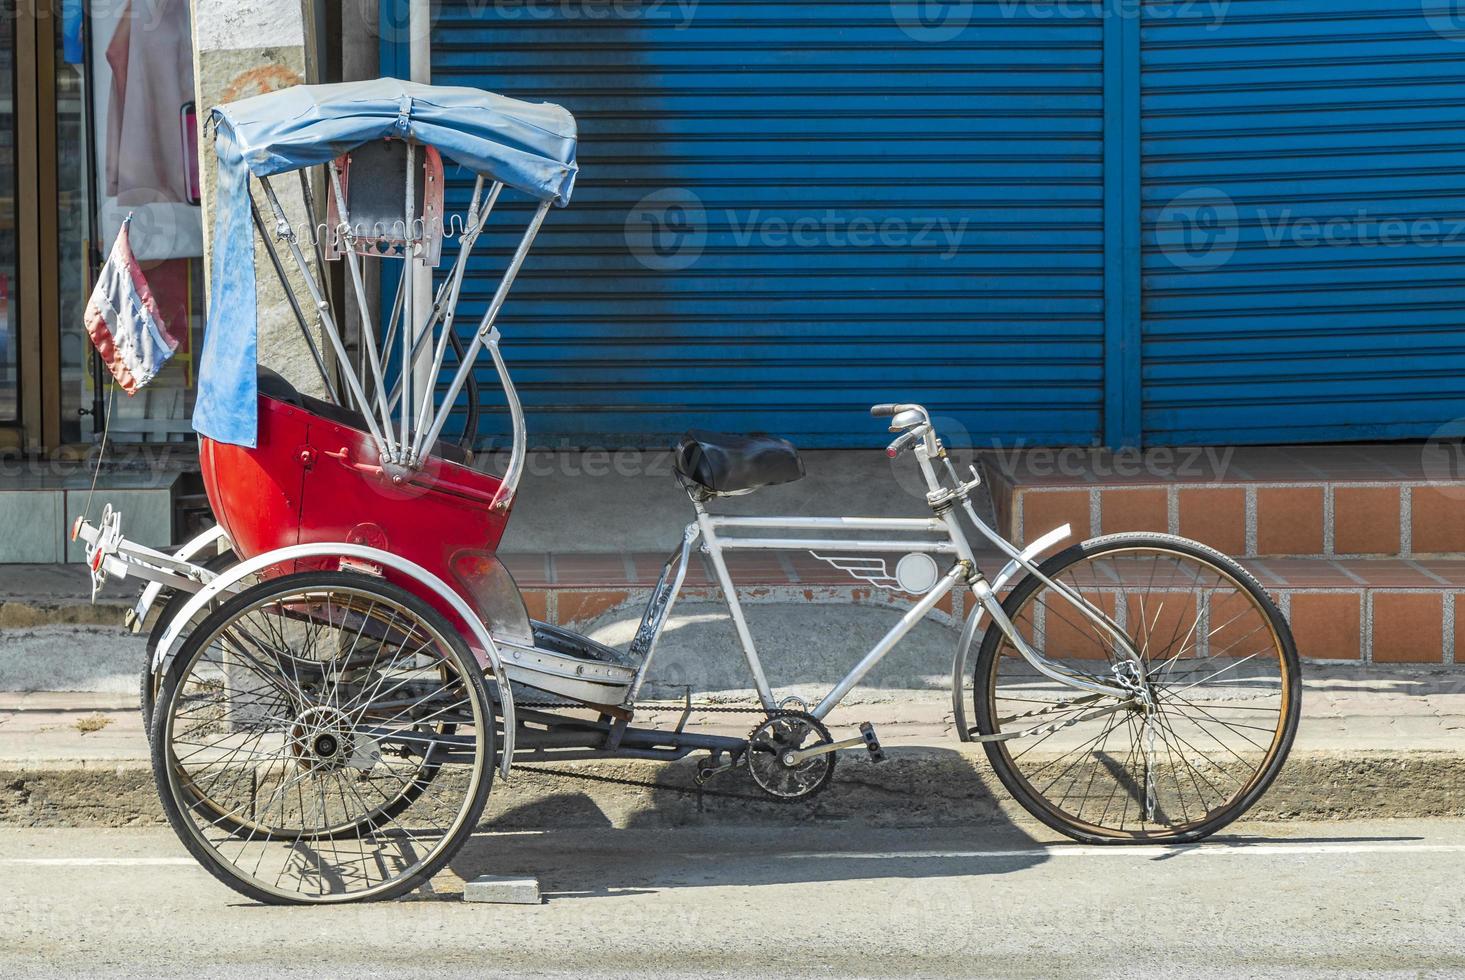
(723,463)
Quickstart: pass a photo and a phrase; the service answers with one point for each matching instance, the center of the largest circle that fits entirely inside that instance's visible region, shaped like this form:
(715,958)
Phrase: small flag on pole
(123,321)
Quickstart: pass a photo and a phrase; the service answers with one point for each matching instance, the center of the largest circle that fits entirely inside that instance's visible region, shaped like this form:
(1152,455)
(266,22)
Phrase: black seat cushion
(272,385)
(724,463)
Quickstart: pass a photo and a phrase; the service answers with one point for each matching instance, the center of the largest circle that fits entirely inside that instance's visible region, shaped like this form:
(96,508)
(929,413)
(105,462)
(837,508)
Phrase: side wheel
(1217,692)
(151,681)
(299,737)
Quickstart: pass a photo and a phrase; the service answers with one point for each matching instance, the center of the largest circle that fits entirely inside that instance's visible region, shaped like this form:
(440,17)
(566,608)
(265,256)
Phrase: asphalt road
(1267,900)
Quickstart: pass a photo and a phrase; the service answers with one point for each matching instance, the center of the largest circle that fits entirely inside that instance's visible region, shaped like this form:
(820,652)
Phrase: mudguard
(960,662)
(450,598)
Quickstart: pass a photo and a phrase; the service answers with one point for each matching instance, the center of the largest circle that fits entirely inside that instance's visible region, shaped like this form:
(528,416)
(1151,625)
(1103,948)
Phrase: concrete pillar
(243,48)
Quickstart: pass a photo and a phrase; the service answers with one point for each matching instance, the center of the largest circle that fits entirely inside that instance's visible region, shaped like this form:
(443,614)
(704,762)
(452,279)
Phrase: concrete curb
(916,787)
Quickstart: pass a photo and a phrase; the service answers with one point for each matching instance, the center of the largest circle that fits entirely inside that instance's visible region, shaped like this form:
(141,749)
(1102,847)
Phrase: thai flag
(123,321)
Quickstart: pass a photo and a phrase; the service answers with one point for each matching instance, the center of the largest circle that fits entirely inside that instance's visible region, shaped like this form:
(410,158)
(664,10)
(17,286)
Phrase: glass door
(9,353)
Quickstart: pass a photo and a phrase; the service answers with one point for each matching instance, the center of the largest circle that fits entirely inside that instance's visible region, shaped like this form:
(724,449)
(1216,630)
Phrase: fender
(232,576)
(192,547)
(959,663)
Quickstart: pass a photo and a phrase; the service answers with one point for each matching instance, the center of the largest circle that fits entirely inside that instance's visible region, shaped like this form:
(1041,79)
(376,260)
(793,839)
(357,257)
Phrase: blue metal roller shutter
(1282,114)
(765,113)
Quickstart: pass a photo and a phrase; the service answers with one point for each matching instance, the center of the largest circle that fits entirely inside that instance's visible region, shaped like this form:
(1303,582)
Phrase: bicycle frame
(940,534)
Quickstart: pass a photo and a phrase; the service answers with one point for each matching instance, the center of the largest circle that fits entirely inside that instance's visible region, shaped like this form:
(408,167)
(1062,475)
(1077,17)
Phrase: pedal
(872,742)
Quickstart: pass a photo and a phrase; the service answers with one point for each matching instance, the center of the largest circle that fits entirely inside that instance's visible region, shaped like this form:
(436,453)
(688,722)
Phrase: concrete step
(1395,500)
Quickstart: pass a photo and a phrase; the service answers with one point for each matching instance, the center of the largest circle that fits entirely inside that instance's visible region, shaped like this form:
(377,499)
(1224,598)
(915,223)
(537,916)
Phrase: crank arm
(1056,726)
(794,758)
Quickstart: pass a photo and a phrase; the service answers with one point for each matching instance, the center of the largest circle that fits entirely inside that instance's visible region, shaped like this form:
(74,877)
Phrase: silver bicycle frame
(940,534)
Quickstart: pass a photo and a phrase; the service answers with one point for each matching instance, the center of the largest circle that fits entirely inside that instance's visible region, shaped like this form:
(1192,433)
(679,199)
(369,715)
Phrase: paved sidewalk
(1344,709)
(1373,743)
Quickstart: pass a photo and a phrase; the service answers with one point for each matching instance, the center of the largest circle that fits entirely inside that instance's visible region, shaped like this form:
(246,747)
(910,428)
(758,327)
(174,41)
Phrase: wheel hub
(321,738)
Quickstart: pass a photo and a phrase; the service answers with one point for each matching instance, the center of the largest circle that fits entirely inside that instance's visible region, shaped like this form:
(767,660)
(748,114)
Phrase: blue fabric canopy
(528,146)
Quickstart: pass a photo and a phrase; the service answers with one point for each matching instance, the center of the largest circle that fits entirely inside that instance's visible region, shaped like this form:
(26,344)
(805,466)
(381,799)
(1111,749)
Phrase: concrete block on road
(502,890)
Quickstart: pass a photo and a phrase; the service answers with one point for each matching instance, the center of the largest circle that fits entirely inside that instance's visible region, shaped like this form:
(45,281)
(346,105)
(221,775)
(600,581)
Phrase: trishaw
(341,665)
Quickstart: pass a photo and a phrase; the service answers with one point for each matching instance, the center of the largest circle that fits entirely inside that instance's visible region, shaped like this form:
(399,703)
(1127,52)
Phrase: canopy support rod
(308,196)
(368,340)
(274,254)
(441,300)
(323,308)
(410,259)
(485,331)
(396,317)
(510,485)
(444,307)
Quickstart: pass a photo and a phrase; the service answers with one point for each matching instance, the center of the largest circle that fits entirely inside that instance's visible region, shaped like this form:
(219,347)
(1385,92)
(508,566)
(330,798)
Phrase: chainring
(781,733)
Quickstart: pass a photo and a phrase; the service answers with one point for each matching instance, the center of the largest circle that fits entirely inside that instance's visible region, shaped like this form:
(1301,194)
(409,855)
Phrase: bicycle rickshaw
(341,665)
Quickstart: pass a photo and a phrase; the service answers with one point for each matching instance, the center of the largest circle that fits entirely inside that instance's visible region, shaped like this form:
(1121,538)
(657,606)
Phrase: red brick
(1070,635)
(1327,625)
(1236,627)
(1144,509)
(1408,627)
(1162,623)
(581,607)
(1215,516)
(536,601)
(1438,519)
(1044,510)
(1289,521)
(1366,520)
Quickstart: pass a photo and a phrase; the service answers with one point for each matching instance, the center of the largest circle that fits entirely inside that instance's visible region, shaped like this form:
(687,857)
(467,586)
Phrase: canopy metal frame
(403,422)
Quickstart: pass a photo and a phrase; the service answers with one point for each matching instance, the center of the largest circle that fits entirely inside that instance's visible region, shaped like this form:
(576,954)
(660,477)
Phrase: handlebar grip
(883,410)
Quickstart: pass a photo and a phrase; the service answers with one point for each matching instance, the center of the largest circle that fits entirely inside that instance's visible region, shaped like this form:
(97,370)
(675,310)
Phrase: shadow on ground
(606,839)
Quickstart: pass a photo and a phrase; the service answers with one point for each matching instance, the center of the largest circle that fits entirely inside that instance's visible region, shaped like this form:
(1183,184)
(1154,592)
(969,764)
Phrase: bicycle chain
(698,791)
(654,708)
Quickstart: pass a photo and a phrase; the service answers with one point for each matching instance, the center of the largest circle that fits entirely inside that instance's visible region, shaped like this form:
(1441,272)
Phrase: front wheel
(1217,684)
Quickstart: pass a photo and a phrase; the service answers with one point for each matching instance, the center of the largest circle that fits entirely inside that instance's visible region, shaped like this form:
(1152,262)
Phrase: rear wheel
(1217,660)
(299,738)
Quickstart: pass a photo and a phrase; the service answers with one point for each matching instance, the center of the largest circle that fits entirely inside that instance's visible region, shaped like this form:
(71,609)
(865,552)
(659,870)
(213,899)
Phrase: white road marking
(1213,849)
(100,862)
